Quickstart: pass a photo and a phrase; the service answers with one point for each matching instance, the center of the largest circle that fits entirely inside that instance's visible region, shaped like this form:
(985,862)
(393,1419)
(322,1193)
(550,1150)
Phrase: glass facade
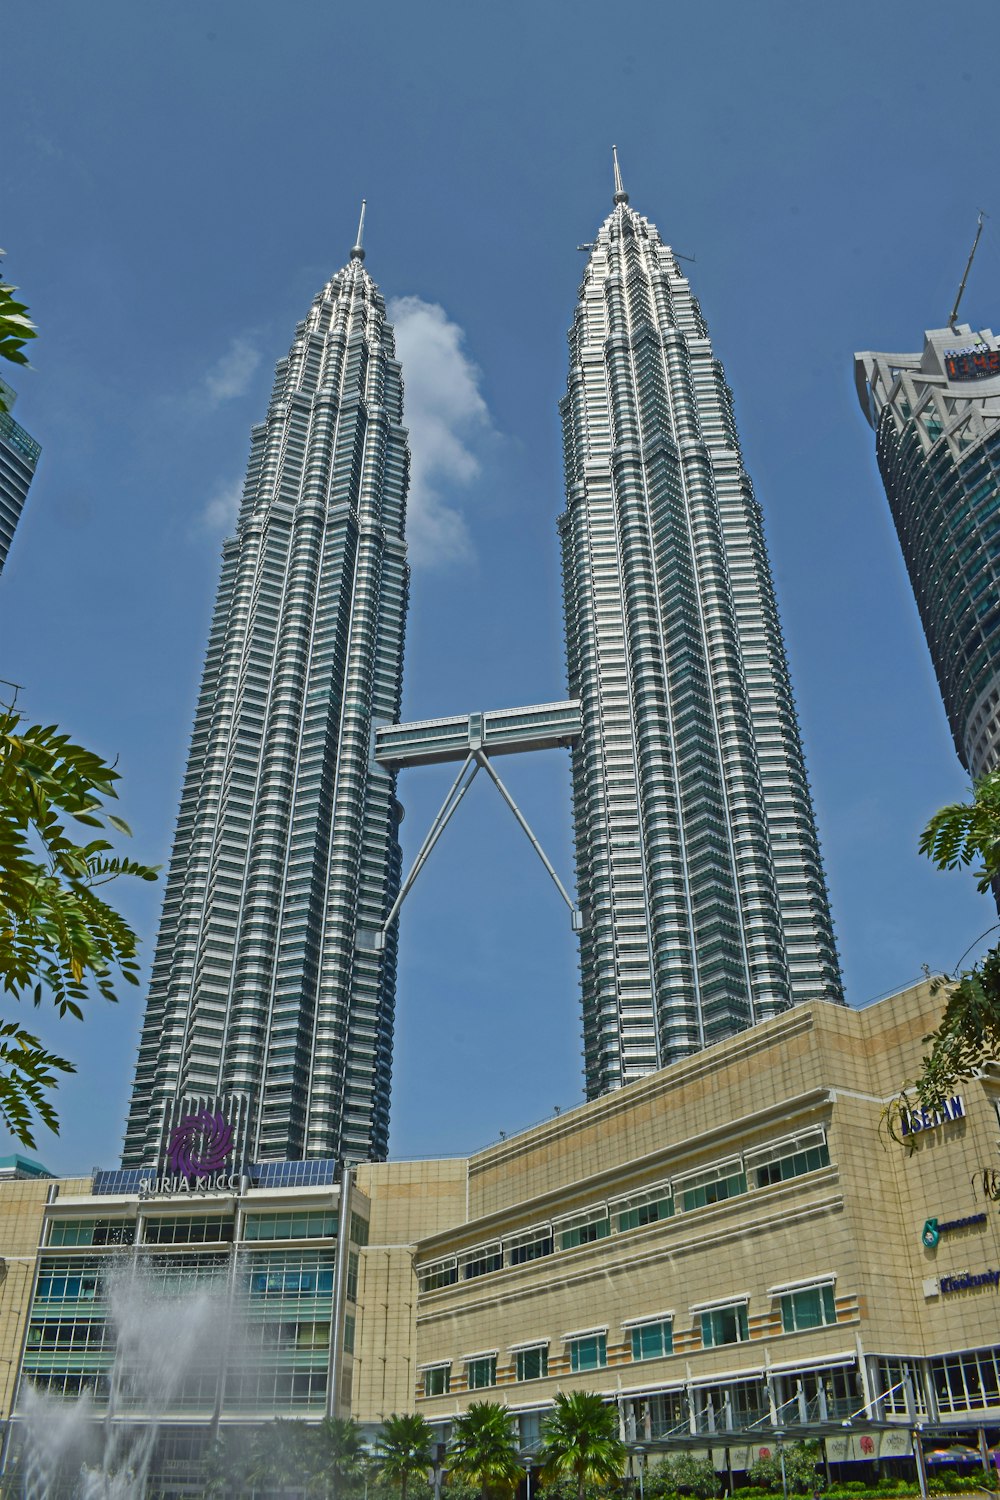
(937,435)
(19,455)
(698,863)
(269,1313)
(267,986)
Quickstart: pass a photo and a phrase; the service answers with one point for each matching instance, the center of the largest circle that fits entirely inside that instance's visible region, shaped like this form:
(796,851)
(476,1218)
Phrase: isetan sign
(913,1121)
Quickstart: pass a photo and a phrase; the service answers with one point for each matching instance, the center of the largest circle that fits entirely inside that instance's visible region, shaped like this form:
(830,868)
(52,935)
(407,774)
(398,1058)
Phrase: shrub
(801,1473)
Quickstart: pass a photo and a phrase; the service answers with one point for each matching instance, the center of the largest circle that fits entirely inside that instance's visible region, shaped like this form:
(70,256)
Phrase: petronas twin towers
(702,899)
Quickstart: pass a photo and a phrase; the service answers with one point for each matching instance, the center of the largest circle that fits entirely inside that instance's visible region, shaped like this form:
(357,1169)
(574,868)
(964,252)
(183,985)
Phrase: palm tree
(339,1456)
(404,1448)
(280,1457)
(580,1437)
(483,1447)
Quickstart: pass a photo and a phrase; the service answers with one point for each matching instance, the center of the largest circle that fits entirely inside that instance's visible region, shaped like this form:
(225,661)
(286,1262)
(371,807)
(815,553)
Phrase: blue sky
(180,180)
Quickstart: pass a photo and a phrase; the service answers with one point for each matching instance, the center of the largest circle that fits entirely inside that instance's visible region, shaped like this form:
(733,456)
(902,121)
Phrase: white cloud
(445,414)
(231,375)
(222,508)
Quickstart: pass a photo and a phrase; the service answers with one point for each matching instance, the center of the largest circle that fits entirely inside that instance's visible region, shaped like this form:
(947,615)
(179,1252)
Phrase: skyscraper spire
(698,866)
(620,194)
(358,249)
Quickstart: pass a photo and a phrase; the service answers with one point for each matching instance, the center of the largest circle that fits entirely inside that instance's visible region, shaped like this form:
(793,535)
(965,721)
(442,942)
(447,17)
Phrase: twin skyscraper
(700,891)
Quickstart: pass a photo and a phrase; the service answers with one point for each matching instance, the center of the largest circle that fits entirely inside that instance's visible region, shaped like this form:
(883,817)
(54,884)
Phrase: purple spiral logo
(199,1144)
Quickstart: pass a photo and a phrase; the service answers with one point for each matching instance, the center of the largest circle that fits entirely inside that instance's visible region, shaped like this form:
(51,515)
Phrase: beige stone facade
(740,1206)
(22,1211)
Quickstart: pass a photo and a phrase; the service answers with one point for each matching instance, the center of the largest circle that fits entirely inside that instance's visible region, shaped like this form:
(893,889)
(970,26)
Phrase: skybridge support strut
(476,760)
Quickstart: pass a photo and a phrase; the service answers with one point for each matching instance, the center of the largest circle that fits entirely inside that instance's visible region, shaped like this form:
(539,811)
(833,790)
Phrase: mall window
(713,1185)
(644,1208)
(724,1325)
(588,1351)
(441,1273)
(437,1380)
(297,1226)
(807,1307)
(584,1229)
(967,1382)
(352,1276)
(530,1245)
(791,1157)
(293,1276)
(67,1281)
(92,1232)
(653,1339)
(480,1262)
(533,1363)
(481,1372)
(187,1231)
(348,1334)
(359,1230)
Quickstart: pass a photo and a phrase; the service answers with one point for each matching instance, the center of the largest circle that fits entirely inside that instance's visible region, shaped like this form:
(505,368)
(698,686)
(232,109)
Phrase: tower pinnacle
(620,194)
(358,249)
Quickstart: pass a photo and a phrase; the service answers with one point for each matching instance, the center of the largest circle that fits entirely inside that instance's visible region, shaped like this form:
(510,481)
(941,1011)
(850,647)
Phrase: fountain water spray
(164,1344)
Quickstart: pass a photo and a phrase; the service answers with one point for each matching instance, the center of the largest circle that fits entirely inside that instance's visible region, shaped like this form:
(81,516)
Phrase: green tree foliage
(225,1467)
(969,1033)
(682,1474)
(15,329)
(483,1448)
(801,1469)
(279,1457)
(58,937)
(580,1438)
(404,1449)
(338,1460)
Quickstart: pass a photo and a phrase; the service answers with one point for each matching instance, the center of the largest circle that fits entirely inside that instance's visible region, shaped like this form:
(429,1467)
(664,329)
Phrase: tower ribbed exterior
(698,861)
(936,417)
(266,984)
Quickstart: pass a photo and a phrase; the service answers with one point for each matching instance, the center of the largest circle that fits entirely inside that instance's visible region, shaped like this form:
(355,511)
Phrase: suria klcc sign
(197,1157)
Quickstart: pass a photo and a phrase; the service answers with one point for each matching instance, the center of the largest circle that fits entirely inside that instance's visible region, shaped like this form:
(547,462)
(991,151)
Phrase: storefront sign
(967,1281)
(914,1120)
(170,1187)
(933,1228)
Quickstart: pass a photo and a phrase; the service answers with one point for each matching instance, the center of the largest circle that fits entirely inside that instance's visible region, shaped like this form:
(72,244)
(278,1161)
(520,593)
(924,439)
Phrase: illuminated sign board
(912,1121)
(971,364)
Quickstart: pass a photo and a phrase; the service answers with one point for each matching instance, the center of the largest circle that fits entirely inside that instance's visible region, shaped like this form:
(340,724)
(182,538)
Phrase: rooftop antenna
(358,249)
(968,268)
(620,194)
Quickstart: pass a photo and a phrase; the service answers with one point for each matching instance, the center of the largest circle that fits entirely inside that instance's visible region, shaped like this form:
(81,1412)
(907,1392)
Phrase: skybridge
(500,731)
(472,740)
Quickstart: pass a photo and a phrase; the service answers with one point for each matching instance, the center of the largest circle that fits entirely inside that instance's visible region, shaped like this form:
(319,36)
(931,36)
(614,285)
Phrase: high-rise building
(698,863)
(268,997)
(19,455)
(936,417)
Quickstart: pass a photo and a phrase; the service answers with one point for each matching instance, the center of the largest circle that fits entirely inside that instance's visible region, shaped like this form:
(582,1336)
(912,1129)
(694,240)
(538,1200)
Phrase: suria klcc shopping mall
(727,1250)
